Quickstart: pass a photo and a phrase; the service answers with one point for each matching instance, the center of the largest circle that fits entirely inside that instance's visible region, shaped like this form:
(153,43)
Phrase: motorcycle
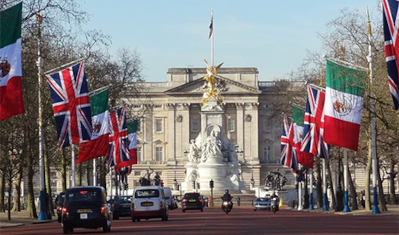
(226,206)
(274,204)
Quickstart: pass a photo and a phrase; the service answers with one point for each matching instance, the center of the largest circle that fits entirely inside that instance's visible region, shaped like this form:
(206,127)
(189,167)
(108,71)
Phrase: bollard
(281,202)
(211,205)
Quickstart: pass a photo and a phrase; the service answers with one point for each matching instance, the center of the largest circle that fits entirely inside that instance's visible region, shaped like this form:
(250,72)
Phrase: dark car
(85,207)
(192,201)
(121,207)
(59,203)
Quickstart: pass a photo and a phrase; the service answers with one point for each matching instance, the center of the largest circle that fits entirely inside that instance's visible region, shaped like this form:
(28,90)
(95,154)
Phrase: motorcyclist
(227,197)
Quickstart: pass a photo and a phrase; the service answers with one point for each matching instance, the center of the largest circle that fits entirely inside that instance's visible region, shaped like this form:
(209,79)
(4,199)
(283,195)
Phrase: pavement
(21,218)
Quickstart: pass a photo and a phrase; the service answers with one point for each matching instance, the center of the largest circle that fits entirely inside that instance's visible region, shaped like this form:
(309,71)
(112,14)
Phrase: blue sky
(273,36)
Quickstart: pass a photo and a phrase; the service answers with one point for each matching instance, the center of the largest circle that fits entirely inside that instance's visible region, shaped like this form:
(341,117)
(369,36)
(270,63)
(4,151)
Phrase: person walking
(238,201)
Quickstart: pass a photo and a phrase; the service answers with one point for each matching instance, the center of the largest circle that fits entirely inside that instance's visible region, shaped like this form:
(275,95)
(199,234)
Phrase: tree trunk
(2,190)
(17,193)
(352,191)
(391,182)
(381,199)
(31,194)
(63,170)
(48,180)
(367,186)
(334,203)
(9,194)
(88,170)
(319,182)
(80,174)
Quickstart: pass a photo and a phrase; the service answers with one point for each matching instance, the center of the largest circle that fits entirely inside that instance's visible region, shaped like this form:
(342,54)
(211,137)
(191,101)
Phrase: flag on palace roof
(11,101)
(211,26)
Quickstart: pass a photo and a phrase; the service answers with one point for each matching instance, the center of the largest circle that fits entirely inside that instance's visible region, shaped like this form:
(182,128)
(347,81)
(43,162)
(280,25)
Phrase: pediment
(227,86)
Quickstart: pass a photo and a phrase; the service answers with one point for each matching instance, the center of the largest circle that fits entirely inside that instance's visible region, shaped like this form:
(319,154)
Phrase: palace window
(266,125)
(230,124)
(139,159)
(158,125)
(159,154)
(194,124)
(266,153)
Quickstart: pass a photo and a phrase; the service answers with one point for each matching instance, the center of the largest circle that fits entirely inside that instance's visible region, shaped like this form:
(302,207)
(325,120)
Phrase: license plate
(192,200)
(126,206)
(84,211)
(147,204)
(83,216)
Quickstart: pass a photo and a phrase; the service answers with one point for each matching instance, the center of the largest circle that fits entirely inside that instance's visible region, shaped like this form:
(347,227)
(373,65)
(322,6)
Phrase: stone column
(253,135)
(240,130)
(171,133)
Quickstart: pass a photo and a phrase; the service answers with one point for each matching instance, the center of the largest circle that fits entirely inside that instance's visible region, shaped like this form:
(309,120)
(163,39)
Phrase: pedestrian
(238,201)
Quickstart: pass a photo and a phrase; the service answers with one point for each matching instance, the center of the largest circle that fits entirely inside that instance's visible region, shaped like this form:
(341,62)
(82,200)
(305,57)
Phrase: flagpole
(300,206)
(99,90)
(73,166)
(43,206)
(64,66)
(346,206)
(212,39)
(325,199)
(94,172)
(311,207)
(376,210)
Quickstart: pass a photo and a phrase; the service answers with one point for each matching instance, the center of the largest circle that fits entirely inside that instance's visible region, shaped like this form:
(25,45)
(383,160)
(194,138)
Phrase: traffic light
(193,184)
(211,184)
(126,186)
(161,183)
(198,185)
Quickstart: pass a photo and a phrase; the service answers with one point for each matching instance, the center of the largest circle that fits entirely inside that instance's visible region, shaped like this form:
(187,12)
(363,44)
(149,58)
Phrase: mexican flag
(343,105)
(132,138)
(98,146)
(298,115)
(11,102)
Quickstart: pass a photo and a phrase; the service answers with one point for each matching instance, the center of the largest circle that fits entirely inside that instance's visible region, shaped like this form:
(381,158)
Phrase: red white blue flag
(211,26)
(71,105)
(118,140)
(313,127)
(391,36)
(288,156)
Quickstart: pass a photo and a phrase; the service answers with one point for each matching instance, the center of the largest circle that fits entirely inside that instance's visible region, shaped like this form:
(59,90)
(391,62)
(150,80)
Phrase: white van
(168,196)
(149,202)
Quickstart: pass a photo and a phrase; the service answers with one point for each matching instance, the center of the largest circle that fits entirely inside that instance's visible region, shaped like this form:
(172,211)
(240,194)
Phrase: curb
(12,225)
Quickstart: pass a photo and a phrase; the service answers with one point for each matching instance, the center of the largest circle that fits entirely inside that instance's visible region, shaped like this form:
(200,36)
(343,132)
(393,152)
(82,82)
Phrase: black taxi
(85,207)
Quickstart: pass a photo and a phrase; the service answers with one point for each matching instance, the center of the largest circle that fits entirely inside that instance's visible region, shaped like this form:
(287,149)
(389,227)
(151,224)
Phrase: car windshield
(124,199)
(145,193)
(264,199)
(83,195)
(192,195)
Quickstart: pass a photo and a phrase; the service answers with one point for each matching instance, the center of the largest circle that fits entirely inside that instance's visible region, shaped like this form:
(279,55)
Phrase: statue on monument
(211,84)
(212,147)
(193,154)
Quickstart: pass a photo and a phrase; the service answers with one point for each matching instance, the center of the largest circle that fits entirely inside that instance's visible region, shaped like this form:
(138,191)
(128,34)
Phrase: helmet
(227,191)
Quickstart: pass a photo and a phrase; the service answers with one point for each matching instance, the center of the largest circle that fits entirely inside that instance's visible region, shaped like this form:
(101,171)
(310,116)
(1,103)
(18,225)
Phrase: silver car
(262,203)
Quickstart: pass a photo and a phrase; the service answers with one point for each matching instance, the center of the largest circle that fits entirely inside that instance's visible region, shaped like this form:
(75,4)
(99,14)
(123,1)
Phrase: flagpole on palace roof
(212,38)
(376,210)
(43,206)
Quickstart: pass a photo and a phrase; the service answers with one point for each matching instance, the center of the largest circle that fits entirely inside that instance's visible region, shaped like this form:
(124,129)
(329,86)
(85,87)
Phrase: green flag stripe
(345,79)
(10,25)
(132,126)
(99,103)
(298,115)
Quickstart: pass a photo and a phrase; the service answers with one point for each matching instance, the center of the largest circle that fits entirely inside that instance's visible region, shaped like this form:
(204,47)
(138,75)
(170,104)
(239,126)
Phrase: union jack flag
(391,23)
(288,156)
(118,140)
(313,127)
(71,105)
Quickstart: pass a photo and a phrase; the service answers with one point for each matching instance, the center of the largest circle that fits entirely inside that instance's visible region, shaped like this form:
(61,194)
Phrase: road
(239,221)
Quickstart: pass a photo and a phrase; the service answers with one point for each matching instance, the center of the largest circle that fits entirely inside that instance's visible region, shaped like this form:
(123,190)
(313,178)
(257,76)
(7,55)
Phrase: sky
(272,36)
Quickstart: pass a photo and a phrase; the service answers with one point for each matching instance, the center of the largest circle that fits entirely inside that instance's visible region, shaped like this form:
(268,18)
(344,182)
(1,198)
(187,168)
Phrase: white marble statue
(194,153)
(212,147)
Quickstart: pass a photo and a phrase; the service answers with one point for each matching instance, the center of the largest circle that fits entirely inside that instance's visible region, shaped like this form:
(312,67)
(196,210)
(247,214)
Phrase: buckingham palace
(171,118)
